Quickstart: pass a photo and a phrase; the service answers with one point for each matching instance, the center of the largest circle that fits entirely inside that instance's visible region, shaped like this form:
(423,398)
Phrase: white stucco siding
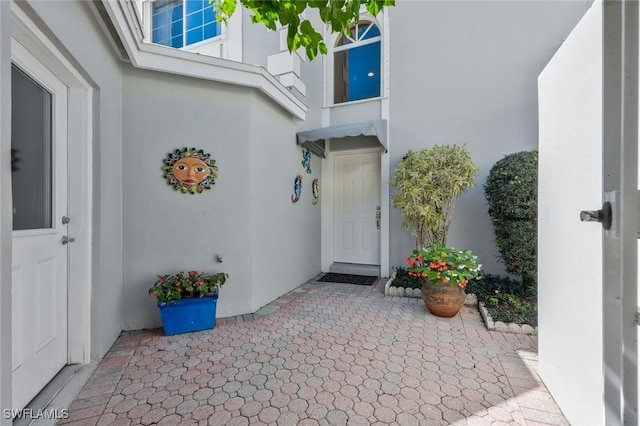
(569,251)
(285,236)
(167,231)
(77,31)
(466,73)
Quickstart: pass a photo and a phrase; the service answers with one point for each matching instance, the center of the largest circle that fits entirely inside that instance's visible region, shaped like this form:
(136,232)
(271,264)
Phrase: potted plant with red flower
(445,272)
(187,302)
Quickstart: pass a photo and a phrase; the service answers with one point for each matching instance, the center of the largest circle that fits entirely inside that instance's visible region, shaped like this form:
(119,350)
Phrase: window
(179,23)
(356,64)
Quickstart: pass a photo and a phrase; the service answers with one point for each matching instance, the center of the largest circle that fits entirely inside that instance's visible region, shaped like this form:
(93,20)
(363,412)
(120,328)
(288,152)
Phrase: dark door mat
(347,279)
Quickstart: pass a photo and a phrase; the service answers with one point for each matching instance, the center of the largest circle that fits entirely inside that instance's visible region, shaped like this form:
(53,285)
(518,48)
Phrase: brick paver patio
(324,354)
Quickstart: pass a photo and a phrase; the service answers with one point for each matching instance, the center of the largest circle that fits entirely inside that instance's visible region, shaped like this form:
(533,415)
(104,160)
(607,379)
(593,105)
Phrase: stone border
(501,326)
(471,299)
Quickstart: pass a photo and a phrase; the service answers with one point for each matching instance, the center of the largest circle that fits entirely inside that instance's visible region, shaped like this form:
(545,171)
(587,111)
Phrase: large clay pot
(442,299)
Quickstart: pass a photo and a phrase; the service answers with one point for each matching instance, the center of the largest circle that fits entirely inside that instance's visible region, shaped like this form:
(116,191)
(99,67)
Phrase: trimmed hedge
(512,193)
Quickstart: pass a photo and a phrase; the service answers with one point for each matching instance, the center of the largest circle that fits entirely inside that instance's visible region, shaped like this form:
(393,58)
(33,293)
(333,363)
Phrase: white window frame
(226,45)
(329,82)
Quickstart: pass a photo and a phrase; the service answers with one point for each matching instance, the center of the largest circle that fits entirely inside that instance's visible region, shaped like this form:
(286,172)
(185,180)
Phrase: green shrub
(512,193)
(428,182)
(403,279)
(507,300)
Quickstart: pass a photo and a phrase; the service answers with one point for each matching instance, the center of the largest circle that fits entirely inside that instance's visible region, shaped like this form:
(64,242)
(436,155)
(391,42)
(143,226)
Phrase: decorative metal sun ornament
(189,170)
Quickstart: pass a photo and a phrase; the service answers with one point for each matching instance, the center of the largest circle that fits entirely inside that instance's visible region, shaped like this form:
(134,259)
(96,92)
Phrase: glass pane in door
(31,153)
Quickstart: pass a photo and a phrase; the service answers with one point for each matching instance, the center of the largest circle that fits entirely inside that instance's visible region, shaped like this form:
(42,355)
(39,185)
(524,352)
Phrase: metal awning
(309,139)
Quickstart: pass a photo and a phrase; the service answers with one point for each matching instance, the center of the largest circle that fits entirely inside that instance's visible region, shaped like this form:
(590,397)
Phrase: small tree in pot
(428,182)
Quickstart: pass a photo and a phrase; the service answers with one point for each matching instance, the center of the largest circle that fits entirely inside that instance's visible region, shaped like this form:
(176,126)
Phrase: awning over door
(314,139)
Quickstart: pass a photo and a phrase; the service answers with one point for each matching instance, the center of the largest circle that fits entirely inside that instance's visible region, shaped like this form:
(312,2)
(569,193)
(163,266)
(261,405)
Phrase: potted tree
(187,302)
(428,182)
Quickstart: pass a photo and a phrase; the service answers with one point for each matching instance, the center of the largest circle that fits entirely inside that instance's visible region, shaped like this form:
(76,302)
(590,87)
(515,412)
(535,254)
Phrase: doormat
(347,279)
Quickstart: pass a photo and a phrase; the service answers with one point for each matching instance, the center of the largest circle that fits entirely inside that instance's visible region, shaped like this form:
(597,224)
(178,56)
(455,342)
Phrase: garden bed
(514,308)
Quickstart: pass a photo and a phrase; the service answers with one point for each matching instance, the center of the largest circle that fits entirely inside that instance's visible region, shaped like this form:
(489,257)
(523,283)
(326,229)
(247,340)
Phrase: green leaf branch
(339,14)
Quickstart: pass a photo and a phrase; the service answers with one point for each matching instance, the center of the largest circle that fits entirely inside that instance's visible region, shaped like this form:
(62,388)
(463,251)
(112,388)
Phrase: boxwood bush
(512,193)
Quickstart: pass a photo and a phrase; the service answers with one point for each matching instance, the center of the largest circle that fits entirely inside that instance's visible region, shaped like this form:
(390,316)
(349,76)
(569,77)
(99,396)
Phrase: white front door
(356,237)
(40,259)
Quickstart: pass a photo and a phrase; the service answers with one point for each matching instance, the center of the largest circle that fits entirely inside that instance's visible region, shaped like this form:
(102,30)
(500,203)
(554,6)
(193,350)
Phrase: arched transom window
(356,64)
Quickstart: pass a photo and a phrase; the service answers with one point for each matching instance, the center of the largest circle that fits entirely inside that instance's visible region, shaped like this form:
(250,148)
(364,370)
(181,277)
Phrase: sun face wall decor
(190,170)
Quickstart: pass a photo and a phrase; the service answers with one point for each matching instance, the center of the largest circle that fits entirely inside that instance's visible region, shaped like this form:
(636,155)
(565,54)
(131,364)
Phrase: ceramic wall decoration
(315,188)
(190,170)
(306,160)
(297,189)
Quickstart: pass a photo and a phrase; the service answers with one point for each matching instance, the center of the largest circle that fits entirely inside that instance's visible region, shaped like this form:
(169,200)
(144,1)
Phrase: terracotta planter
(442,300)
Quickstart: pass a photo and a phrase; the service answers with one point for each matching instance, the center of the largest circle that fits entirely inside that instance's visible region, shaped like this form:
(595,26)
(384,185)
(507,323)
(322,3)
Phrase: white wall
(569,251)
(268,245)
(285,236)
(166,231)
(465,72)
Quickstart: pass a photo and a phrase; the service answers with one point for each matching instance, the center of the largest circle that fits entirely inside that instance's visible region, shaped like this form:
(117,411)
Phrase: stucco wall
(166,231)
(466,73)
(569,251)
(97,61)
(285,236)
(257,41)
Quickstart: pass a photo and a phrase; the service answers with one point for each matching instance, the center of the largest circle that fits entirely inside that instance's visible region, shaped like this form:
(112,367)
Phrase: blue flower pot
(185,315)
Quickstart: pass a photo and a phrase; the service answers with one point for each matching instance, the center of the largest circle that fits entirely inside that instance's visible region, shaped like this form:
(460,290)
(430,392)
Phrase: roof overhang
(309,138)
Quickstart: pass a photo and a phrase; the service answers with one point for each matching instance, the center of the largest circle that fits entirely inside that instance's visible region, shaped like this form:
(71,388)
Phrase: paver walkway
(327,354)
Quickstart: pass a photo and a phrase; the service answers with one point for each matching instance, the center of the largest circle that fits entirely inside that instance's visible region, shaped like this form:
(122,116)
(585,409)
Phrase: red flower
(193,273)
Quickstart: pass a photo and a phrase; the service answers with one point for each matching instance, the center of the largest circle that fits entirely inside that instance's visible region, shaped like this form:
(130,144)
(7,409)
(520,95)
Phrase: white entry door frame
(28,38)
(327,187)
(620,187)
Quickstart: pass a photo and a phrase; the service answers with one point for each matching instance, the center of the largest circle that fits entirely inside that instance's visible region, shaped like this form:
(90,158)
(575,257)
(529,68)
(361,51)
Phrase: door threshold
(58,394)
(355,269)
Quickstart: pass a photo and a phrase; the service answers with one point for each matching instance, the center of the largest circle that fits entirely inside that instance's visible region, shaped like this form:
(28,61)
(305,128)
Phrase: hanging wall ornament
(297,189)
(190,170)
(315,188)
(306,160)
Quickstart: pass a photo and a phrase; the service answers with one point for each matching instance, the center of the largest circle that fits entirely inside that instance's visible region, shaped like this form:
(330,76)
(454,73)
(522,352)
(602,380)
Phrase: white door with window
(356,216)
(40,254)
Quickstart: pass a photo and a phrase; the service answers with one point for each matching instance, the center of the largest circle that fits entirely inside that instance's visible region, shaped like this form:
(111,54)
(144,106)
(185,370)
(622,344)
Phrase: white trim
(385,200)
(80,142)
(182,62)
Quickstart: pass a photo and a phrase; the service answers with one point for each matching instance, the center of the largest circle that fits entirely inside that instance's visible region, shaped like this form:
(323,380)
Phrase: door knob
(67,240)
(604,216)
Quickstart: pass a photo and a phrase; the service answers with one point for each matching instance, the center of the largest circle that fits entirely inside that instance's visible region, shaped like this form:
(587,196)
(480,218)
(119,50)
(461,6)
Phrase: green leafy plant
(403,279)
(428,182)
(340,14)
(438,263)
(191,284)
(512,193)
(506,299)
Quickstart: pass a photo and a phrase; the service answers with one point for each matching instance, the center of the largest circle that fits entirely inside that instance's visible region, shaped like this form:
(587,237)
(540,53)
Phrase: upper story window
(356,64)
(179,23)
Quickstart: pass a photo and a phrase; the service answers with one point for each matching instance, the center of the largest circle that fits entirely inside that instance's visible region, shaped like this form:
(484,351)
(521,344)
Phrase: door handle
(378,216)
(604,216)
(67,240)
